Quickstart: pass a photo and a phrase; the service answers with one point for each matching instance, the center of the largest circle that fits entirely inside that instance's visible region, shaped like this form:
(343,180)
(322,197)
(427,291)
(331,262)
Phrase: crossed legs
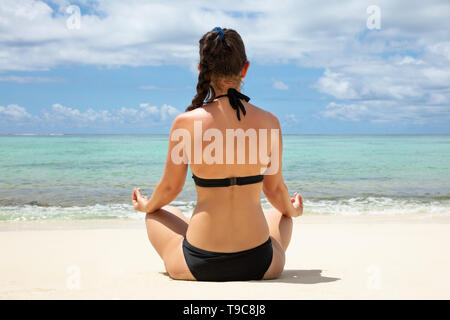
(166,229)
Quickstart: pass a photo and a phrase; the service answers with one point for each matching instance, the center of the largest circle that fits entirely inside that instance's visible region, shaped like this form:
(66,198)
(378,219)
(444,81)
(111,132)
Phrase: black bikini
(244,265)
(227,182)
(235,97)
(249,264)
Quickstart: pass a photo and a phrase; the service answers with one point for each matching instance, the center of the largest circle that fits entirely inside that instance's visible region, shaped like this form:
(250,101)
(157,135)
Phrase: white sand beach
(330,257)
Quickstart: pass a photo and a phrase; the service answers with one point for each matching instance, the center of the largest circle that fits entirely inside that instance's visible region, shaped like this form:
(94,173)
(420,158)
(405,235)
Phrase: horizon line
(166,134)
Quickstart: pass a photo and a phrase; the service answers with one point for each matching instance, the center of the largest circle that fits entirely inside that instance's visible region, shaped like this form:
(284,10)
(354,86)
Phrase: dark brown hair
(219,57)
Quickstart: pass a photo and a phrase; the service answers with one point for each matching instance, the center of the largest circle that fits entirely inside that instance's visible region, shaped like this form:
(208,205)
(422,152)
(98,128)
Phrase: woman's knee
(176,273)
(278,261)
(164,227)
(175,263)
(280,227)
(177,212)
(172,209)
(173,219)
(276,214)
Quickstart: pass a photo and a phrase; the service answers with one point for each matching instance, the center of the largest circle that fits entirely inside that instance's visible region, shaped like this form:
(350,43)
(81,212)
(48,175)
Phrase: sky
(322,67)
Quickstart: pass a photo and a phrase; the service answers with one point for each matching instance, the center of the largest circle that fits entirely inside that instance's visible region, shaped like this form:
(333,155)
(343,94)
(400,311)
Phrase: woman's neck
(224,88)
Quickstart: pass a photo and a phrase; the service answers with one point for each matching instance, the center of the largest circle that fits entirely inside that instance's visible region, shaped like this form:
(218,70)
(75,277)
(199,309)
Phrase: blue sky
(131,68)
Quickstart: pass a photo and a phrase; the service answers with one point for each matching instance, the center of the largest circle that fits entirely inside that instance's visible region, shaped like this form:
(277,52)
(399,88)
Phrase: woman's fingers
(139,200)
(139,194)
(299,199)
(135,204)
(135,199)
(296,202)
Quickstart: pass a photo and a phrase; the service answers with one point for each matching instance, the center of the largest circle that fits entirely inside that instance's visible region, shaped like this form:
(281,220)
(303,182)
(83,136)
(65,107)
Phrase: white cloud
(441,48)
(291,118)
(60,113)
(145,114)
(141,32)
(336,85)
(279,85)
(409,60)
(148,110)
(14,112)
(399,72)
(66,118)
(168,112)
(387,112)
(351,112)
(28,79)
(389,89)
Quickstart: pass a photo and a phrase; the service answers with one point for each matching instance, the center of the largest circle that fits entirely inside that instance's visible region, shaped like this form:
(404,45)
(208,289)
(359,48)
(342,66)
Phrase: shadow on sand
(296,276)
(303,276)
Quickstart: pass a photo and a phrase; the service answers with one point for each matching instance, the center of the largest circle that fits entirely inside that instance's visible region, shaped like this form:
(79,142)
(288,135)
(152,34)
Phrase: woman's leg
(166,229)
(280,229)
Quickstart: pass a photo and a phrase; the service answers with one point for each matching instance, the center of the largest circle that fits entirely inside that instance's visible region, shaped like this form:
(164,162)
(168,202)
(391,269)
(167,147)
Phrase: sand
(330,257)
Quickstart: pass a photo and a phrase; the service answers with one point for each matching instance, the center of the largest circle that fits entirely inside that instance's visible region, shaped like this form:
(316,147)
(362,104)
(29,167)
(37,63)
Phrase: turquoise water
(92,177)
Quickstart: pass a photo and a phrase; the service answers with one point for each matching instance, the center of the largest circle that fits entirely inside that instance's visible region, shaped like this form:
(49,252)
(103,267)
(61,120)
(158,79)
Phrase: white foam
(98,211)
(351,206)
(378,206)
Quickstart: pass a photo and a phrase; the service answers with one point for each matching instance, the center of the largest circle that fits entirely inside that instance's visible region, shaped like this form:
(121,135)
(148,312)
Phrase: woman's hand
(297,203)
(140,202)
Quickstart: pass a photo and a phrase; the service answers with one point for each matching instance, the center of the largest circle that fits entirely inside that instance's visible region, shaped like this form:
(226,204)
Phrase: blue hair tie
(220,32)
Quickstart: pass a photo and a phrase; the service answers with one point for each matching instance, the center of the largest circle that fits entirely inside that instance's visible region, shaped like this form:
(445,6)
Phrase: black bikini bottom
(249,264)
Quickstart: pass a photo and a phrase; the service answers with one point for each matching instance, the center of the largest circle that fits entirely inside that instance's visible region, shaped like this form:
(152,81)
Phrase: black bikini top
(227,182)
(235,97)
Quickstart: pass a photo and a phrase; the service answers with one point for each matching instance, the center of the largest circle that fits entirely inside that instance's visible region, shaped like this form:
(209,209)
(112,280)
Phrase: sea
(82,177)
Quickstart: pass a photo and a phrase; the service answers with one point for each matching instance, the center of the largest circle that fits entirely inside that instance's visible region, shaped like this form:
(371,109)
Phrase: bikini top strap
(226,182)
(235,97)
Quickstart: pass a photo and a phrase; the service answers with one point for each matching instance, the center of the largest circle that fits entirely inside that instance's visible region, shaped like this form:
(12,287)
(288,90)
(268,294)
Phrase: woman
(228,237)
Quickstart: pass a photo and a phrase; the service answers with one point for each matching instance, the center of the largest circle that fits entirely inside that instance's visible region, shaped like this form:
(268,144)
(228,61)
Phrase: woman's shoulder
(264,115)
(187,118)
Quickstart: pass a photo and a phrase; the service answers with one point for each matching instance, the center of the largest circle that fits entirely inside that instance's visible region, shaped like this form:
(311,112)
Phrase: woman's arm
(171,183)
(275,189)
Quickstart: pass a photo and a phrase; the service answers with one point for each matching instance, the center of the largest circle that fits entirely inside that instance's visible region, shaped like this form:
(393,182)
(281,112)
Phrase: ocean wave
(378,206)
(37,134)
(39,212)
(344,207)
(373,206)
(25,134)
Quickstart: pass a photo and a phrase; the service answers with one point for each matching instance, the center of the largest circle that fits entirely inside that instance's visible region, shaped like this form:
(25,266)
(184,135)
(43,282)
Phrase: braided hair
(222,54)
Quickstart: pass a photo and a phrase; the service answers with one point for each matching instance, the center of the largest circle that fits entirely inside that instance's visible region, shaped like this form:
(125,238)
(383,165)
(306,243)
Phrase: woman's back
(228,219)
(234,151)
